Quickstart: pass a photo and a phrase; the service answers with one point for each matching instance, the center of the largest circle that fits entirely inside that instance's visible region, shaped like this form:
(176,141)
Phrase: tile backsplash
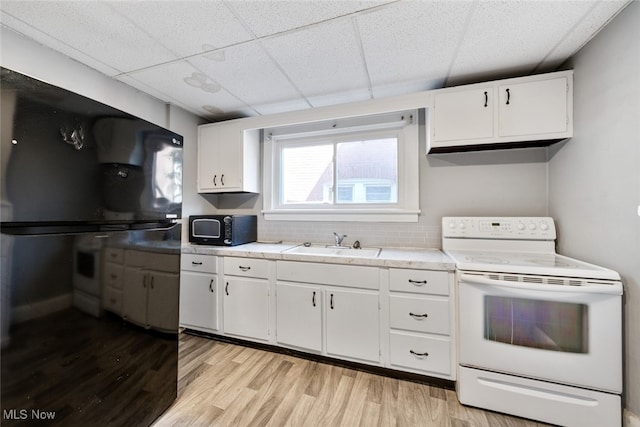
(415,235)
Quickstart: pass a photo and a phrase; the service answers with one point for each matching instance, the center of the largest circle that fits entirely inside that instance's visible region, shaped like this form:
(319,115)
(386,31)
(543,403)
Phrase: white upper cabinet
(464,115)
(228,158)
(534,110)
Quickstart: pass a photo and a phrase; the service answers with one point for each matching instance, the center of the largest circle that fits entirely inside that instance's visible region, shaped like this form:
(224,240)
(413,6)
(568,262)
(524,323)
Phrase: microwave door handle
(586,289)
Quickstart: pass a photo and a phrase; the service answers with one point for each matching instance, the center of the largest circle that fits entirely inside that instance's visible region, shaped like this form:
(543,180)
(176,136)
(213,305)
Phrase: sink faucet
(339,238)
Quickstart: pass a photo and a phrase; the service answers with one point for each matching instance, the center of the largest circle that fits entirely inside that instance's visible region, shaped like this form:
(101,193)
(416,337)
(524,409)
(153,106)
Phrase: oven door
(560,333)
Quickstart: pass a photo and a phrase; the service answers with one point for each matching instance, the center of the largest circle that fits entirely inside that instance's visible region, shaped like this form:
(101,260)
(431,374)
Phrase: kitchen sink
(334,251)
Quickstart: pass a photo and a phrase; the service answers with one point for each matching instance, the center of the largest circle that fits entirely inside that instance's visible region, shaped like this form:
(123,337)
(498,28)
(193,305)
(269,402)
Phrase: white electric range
(540,334)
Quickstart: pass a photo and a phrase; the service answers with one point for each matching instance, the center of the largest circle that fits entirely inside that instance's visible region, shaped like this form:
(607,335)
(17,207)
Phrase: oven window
(547,325)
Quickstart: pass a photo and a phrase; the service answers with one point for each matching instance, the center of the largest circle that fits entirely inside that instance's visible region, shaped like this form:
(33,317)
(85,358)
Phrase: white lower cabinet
(246,307)
(149,298)
(421,322)
(246,297)
(299,316)
(151,288)
(396,318)
(199,292)
(353,321)
(199,301)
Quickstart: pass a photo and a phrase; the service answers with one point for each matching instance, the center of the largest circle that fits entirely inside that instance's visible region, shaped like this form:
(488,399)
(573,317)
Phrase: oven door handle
(592,288)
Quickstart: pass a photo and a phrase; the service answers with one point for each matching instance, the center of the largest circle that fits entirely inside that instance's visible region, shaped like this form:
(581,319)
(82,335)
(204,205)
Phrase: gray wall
(594,179)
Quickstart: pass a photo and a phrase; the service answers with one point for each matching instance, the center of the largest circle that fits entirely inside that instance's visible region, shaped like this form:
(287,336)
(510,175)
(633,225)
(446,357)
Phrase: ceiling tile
(94,30)
(507,38)
(185,27)
(409,45)
(272,17)
(170,80)
(248,73)
(583,31)
(321,60)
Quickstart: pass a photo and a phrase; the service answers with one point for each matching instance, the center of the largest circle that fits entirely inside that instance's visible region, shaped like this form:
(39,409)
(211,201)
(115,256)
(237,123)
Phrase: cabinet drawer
(420,281)
(112,300)
(202,263)
(113,275)
(247,267)
(419,314)
(114,255)
(353,276)
(169,263)
(430,354)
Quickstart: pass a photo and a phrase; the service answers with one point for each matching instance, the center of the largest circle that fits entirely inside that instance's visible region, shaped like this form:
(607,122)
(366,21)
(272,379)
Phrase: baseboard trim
(26,312)
(378,370)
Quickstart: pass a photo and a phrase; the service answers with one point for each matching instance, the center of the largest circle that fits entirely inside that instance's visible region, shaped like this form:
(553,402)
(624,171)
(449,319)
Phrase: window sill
(343,215)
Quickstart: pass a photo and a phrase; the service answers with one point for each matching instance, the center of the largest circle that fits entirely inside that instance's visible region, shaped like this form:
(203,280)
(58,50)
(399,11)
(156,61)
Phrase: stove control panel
(515,228)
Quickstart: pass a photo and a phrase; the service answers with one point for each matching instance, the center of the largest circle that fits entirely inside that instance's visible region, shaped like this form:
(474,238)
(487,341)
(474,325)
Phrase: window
(362,168)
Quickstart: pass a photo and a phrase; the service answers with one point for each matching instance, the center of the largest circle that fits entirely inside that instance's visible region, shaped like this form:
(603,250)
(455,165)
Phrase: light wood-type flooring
(222,384)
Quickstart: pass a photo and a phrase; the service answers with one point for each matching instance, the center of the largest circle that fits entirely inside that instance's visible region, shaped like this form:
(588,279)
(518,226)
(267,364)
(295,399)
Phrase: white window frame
(402,124)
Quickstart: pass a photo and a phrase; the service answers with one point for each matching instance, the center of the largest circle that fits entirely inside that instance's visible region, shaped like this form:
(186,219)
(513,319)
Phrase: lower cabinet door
(198,301)
(353,324)
(299,316)
(246,307)
(134,292)
(163,302)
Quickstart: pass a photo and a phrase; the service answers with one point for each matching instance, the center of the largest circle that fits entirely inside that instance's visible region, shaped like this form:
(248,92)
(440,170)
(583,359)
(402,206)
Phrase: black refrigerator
(91,201)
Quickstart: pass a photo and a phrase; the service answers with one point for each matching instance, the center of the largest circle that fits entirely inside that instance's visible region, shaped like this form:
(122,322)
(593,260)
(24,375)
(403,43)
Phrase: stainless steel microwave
(223,230)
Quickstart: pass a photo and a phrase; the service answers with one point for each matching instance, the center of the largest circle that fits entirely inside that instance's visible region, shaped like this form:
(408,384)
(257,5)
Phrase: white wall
(594,179)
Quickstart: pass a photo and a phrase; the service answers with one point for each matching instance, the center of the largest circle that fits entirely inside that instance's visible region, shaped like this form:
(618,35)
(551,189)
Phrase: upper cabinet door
(228,158)
(464,114)
(534,108)
(219,158)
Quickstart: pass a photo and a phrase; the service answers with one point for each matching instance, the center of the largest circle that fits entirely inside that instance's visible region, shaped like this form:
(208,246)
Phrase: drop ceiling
(223,59)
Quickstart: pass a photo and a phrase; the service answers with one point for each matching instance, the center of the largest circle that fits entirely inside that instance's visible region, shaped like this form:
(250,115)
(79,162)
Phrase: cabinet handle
(222,179)
(244,268)
(486,99)
(144,282)
(151,282)
(226,288)
(425,354)
(418,282)
(114,276)
(214,180)
(508,96)
(313,299)
(331,302)
(211,285)
(418,316)
(196,262)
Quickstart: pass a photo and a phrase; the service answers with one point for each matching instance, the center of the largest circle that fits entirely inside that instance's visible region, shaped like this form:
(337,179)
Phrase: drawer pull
(244,268)
(196,262)
(425,354)
(418,316)
(417,282)
(114,276)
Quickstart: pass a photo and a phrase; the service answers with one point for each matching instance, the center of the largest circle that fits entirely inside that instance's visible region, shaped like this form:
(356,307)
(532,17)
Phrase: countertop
(159,246)
(424,259)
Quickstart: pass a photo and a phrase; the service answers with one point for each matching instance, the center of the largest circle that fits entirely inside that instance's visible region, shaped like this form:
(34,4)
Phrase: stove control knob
(532,226)
(544,226)
(462,226)
(521,226)
(452,225)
